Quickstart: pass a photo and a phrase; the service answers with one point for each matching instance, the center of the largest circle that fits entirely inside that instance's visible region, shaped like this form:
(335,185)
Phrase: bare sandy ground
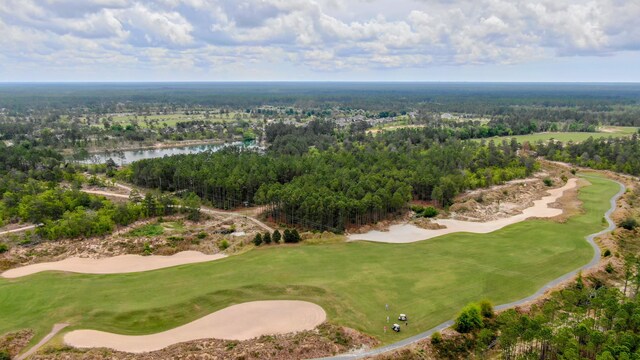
(238,322)
(407,233)
(114,265)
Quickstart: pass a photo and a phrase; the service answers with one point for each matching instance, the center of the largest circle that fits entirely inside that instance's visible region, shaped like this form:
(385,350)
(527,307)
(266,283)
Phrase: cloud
(317,35)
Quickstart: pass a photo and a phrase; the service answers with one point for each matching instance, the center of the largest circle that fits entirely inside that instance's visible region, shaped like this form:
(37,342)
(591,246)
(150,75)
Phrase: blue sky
(307,40)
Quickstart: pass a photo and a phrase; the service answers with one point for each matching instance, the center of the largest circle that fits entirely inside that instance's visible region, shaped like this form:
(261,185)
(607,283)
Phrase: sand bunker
(407,233)
(238,322)
(114,265)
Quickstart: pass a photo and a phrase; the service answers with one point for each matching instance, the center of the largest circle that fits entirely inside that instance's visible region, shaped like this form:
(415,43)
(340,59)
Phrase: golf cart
(395,328)
(402,317)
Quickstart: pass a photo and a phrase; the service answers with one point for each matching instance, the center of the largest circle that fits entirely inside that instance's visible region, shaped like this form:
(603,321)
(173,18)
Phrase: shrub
(609,268)
(266,238)
(201,235)
(607,253)
(436,338)
(4,248)
(629,223)
(430,212)
(574,171)
(469,319)
(4,355)
(276,236)
(146,250)
(257,240)
(547,182)
(486,309)
(564,178)
(224,245)
(295,235)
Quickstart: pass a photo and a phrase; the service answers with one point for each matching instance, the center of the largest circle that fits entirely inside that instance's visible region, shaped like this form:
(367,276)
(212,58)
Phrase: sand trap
(114,265)
(237,322)
(407,233)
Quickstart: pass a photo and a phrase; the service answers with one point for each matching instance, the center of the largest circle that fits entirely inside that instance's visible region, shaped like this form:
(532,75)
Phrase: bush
(146,250)
(276,237)
(4,355)
(4,248)
(430,212)
(609,268)
(564,178)
(574,171)
(224,245)
(469,319)
(607,253)
(257,240)
(266,238)
(291,236)
(436,338)
(629,223)
(486,309)
(547,182)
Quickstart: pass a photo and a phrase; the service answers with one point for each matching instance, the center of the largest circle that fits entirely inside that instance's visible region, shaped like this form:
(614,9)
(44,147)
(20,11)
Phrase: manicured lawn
(429,280)
(612,131)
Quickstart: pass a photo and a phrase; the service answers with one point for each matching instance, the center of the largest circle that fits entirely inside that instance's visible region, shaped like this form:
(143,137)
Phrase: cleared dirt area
(406,233)
(114,265)
(238,322)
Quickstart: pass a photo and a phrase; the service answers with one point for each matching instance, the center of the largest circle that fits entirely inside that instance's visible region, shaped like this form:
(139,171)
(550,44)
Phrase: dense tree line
(349,182)
(617,154)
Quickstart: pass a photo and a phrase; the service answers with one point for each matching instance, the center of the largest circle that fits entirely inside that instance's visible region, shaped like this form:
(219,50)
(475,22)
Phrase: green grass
(147,230)
(429,280)
(614,131)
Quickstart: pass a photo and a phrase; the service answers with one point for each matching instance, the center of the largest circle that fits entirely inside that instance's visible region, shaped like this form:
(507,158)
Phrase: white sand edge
(114,265)
(408,233)
(238,322)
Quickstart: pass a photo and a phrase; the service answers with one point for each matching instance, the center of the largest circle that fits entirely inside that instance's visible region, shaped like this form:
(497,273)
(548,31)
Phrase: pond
(128,156)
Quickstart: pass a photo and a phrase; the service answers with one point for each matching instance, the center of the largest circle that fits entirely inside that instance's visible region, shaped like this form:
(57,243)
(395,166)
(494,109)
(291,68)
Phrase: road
(425,335)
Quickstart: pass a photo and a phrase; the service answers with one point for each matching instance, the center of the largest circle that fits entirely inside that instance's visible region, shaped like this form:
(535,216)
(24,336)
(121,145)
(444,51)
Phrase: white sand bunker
(238,322)
(407,233)
(114,265)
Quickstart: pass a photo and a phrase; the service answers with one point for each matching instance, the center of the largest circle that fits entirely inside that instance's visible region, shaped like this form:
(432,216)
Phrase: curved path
(56,329)
(238,322)
(113,265)
(202,208)
(594,262)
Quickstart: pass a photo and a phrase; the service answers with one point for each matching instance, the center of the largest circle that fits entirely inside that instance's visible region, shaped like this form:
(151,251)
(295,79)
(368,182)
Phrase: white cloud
(322,35)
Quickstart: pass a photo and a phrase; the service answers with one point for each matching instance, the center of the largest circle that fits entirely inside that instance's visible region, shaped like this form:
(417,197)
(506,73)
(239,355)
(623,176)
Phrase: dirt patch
(406,233)
(15,342)
(326,340)
(502,201)
(206,236)
(427,224)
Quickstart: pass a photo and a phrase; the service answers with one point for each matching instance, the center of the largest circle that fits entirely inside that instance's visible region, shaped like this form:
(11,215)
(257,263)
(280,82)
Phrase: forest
(616,154)
(322,182)
(38,187)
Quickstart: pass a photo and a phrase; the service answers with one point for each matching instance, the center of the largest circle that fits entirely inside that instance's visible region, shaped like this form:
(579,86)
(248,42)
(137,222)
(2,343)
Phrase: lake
(128,156)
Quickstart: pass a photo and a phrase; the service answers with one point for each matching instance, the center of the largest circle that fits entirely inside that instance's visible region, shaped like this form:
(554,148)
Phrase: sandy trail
(25,228)
(56,328)
(237,322)
(114,265)
(407,233)
(106,193)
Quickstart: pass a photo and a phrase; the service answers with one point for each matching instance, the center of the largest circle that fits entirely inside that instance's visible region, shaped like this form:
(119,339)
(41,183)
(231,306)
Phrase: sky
(320,40)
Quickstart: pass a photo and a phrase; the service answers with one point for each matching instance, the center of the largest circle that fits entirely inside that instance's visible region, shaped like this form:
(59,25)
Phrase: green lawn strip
(620,131)
(429,280)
